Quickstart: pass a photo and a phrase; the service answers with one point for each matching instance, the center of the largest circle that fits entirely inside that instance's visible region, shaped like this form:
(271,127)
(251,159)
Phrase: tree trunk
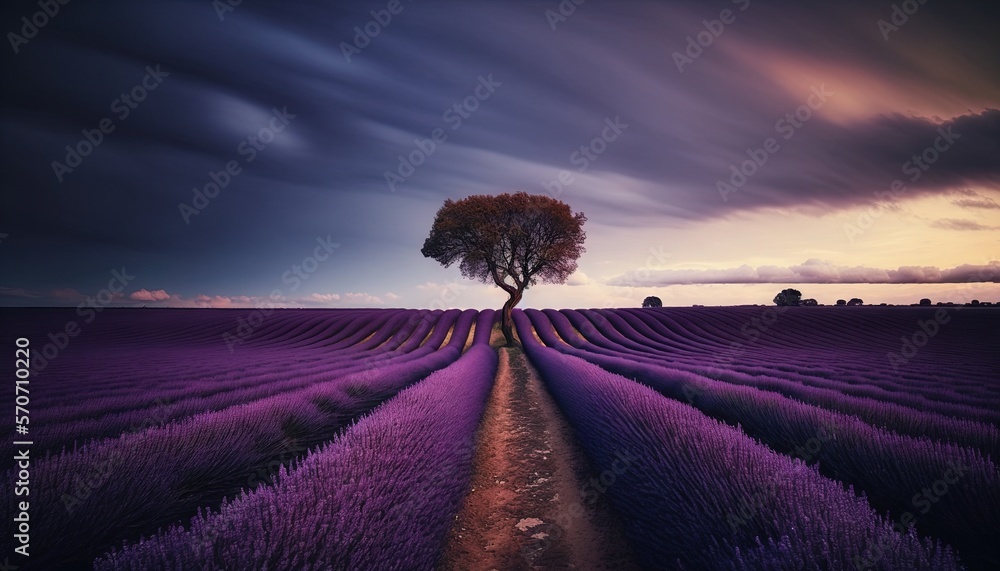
(506,323)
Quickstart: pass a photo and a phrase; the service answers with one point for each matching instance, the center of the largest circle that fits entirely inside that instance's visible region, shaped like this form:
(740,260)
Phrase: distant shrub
(788,297)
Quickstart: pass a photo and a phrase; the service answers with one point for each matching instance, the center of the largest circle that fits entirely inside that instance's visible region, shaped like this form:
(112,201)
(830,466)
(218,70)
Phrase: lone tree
(511,240)
(788,297)
(925,302)
(856,301)
(652,301)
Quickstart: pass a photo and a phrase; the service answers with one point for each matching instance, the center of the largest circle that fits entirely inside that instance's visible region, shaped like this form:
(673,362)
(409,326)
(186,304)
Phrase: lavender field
(280,285)
(759,438)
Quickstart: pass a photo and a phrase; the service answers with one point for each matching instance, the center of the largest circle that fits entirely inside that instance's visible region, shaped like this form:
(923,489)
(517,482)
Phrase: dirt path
(531,506)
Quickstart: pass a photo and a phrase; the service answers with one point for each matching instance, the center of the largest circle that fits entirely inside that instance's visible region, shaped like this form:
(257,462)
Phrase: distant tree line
(793,297)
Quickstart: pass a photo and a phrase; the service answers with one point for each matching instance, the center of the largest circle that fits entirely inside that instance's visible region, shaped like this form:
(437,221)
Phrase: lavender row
(117,489)
(983,437)
(888,416)
(858,340)
(688,470)
(766,336)
(853,374)
(609,331)
(893,470)
(110,417)
(211,356)
(88,353)
(382,496)
(195,369)
(896,417)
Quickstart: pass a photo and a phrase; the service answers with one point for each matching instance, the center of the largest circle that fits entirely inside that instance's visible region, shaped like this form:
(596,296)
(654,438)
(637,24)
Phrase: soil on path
(530,504)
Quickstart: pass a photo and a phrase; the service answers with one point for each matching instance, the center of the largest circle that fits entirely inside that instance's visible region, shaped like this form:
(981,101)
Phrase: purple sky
(714,173)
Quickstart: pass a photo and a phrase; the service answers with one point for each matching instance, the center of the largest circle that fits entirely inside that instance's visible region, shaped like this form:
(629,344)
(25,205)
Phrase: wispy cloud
(146,295)
(960,224)
(323,297)
(972,199)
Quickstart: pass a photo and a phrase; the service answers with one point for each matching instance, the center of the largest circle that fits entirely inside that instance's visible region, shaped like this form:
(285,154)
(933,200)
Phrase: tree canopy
(511,240)
(652,301)
(788,297)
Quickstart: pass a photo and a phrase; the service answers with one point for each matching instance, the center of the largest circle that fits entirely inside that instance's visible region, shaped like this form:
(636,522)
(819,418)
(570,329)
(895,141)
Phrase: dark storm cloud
(846,165)
(554,92)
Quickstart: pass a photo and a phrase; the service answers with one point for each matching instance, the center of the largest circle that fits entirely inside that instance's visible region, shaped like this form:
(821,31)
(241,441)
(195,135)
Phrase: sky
(250,154)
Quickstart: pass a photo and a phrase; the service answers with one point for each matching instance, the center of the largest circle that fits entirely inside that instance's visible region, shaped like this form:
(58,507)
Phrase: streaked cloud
(972,199)
(961,224)
(814,272)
